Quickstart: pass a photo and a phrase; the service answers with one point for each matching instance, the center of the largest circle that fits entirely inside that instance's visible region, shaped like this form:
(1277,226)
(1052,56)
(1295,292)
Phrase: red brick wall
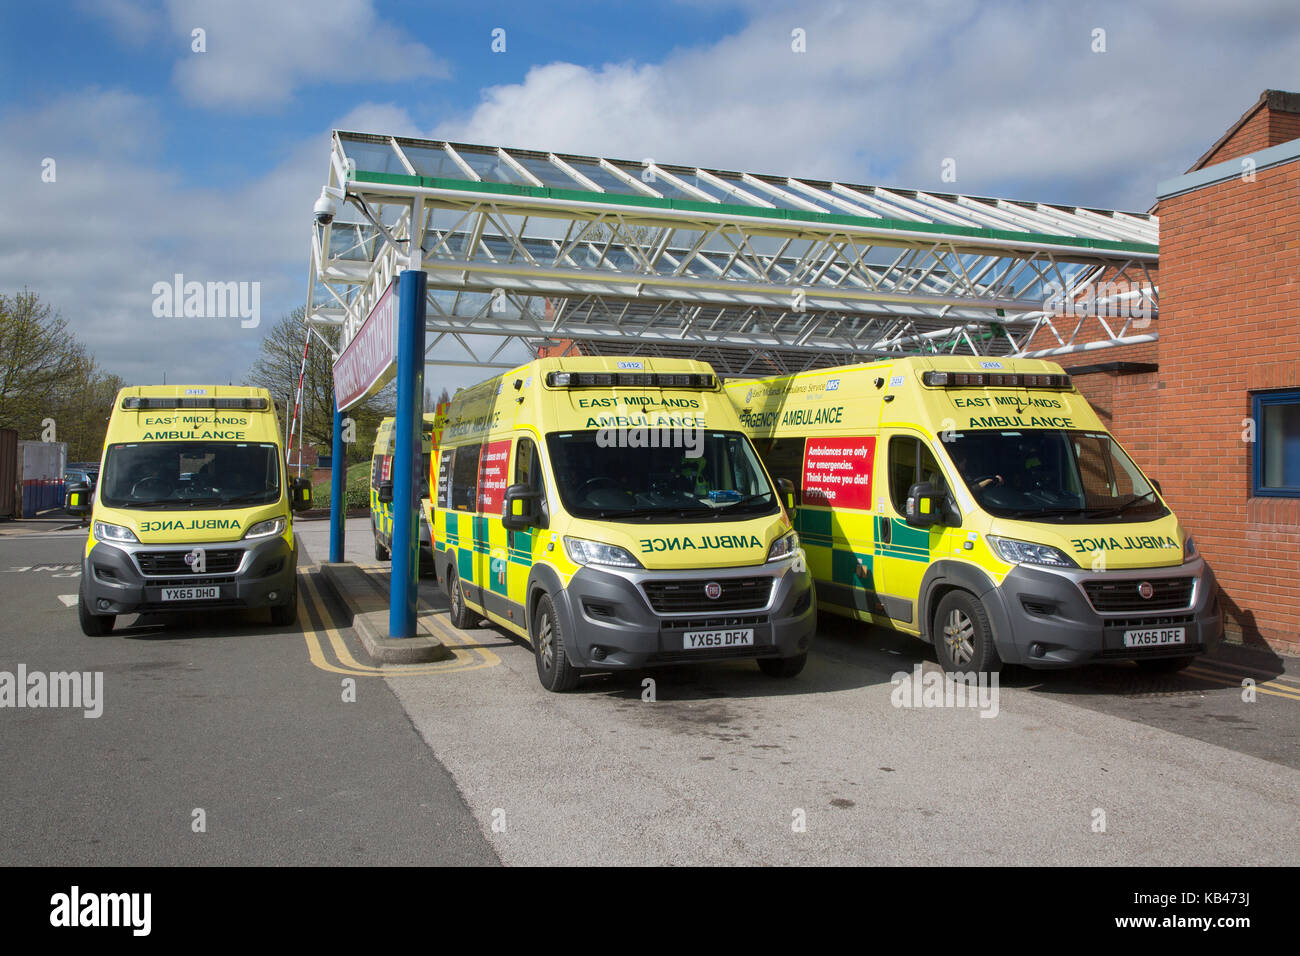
(1282,127)
(1230,257)
(1253,135)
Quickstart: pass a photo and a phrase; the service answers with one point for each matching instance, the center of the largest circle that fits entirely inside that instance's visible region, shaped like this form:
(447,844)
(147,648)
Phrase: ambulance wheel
(1165,665)
(553,667)
(782,666)
(282,615)
(461,616)
(381,553)
(963,638)
(93,625)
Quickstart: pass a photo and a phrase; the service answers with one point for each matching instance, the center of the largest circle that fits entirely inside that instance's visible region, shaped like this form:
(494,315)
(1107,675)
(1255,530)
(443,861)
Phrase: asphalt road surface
(219,713)
(473,762)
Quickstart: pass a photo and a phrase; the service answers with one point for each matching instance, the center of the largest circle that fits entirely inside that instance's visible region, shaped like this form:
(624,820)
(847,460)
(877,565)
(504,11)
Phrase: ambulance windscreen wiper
(1046,512)
(618,513)
(1121,508)
(746,500)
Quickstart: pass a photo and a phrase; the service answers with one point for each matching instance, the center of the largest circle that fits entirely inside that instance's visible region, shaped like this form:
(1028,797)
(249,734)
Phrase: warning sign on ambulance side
(492,476)
(837,472)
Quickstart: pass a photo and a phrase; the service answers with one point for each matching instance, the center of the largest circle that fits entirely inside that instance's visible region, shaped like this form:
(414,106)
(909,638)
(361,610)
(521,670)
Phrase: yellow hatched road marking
(467,657)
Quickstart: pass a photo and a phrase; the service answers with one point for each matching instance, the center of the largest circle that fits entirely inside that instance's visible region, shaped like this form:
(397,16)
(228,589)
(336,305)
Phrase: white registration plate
(191,594)
(1155,637)
(699,640)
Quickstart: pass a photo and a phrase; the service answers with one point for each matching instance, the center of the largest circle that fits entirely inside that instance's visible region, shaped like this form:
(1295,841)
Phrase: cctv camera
(325,209)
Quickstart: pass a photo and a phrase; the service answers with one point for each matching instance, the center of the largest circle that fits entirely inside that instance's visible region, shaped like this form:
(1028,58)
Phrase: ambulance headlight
(1189,548)
(1026,552)
(265,529)
(113,532)
(783,547)
(582,551)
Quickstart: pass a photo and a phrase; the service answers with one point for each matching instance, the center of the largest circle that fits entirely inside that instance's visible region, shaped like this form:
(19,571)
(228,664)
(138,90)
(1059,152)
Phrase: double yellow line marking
(467,657)
(1283,685)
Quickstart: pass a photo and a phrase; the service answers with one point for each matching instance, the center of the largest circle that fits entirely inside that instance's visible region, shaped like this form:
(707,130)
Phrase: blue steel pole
(406,453)
(338,488)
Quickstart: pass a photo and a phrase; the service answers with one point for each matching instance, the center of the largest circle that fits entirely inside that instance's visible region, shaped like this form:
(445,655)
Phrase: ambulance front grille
(217,561)
(1168,594)
(691,597)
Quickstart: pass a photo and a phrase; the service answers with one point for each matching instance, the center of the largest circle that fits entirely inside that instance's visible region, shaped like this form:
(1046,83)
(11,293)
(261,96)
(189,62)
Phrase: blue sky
(208,163)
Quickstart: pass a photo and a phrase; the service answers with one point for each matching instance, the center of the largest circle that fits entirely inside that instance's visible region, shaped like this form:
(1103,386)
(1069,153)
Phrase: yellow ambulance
(612,512)
(381,486)
(193,509)
(981,505)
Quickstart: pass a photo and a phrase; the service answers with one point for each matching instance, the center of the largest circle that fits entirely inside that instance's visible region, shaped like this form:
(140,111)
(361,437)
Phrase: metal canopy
(752,273)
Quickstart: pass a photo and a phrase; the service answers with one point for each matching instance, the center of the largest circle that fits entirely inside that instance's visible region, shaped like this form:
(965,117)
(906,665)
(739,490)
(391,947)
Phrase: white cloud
(93,242)
(258,53)
(882,95)
(1012,92)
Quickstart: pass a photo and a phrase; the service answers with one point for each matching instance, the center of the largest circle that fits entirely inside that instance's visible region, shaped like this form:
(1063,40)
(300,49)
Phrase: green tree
(38,355)
(46,376)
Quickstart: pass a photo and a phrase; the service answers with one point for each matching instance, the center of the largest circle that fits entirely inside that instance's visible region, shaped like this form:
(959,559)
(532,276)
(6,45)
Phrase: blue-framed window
(1277,444)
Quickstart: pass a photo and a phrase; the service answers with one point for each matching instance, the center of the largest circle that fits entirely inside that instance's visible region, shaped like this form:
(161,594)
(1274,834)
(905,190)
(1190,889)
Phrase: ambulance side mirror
(78,501)
(1160,491)
(786,487)
(300,494)
(521,508)
(926,505)
(385,490)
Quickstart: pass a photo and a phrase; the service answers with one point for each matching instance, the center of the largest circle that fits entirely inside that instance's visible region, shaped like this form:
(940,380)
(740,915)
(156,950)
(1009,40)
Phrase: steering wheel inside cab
(602,492)
(151,487)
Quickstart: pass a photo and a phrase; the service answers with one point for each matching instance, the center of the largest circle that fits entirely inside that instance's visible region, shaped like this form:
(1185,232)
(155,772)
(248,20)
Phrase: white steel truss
(753,273)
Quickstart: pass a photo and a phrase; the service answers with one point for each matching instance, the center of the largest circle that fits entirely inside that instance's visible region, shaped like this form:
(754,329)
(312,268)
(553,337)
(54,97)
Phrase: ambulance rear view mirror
(300,494)
(521,508)
(788,495)
(385,490)
(78,502)
(926,505)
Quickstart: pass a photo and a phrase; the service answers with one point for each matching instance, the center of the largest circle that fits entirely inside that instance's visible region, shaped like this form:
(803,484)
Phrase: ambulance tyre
(461,616)
(282,615)
(782,666)
(554,670)
(1165,665)
(963,638)
(93,625)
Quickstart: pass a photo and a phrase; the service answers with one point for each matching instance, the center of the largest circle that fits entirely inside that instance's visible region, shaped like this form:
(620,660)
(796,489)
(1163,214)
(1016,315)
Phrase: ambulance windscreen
(667,475)
(188,474)
(1055,476)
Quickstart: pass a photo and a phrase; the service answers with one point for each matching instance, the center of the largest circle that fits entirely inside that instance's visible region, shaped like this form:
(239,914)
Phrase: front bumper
(114,583)
(612,625)
(1044,618)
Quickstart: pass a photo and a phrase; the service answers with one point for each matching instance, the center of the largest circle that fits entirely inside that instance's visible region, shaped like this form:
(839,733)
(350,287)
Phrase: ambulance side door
(903,553)
(464,520)
(835,519)
(526,470)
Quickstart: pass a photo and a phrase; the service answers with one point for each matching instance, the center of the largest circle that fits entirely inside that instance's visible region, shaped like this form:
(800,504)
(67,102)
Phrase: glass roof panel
(547,171)
(432,161)
(721,195)
(657,183)
(780,202)
(490,166)
(602,177)
(374,157)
